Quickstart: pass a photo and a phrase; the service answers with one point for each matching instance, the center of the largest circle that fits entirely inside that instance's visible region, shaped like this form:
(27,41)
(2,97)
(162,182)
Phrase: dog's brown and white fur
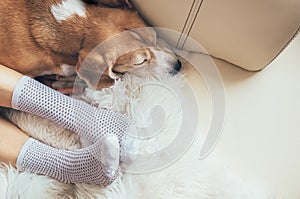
(42,37)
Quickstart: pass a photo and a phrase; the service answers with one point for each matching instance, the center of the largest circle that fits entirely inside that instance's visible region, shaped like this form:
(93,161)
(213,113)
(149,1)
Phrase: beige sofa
(249,34)
(260,139)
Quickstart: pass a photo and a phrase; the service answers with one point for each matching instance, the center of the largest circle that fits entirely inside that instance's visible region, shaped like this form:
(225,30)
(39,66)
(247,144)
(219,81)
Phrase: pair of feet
(106,129)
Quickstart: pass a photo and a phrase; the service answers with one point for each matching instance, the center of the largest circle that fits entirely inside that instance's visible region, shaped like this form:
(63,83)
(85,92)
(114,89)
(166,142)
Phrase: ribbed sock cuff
(17,92)
(22,153)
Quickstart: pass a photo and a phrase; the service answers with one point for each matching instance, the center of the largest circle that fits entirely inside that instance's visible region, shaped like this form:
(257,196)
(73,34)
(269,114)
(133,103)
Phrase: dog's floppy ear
(147,34)
(91,67)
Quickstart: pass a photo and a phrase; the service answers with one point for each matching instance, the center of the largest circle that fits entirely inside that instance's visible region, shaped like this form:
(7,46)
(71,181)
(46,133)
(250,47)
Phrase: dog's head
(133,51)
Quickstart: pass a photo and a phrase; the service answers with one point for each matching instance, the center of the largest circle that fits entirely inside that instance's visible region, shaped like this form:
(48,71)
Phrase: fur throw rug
(188,177)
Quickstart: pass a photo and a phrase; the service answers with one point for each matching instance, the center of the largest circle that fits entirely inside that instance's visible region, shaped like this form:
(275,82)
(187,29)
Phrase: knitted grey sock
(96,164)
(93,123)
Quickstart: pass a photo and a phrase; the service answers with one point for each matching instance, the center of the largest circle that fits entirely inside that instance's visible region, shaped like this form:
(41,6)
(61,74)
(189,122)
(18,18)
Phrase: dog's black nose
(177,66)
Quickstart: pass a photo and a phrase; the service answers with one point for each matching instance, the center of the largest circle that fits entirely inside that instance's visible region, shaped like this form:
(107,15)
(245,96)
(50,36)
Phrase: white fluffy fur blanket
(188,177)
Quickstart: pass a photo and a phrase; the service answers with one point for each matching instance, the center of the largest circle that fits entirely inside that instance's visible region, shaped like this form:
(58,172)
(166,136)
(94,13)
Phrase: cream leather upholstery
(249,34)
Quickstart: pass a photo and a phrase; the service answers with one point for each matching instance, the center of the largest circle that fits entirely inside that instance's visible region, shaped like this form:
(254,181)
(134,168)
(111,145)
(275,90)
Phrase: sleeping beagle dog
(59,37)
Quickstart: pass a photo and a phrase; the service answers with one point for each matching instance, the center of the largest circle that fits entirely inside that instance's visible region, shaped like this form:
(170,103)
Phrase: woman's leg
(96,164)
(8,80)
(88,121)
(11,137)
(11,142)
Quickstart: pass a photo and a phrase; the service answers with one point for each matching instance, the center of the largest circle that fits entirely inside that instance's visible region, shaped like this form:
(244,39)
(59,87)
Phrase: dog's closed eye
(132,59)
(141,62)
(131,62)
(140,59)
